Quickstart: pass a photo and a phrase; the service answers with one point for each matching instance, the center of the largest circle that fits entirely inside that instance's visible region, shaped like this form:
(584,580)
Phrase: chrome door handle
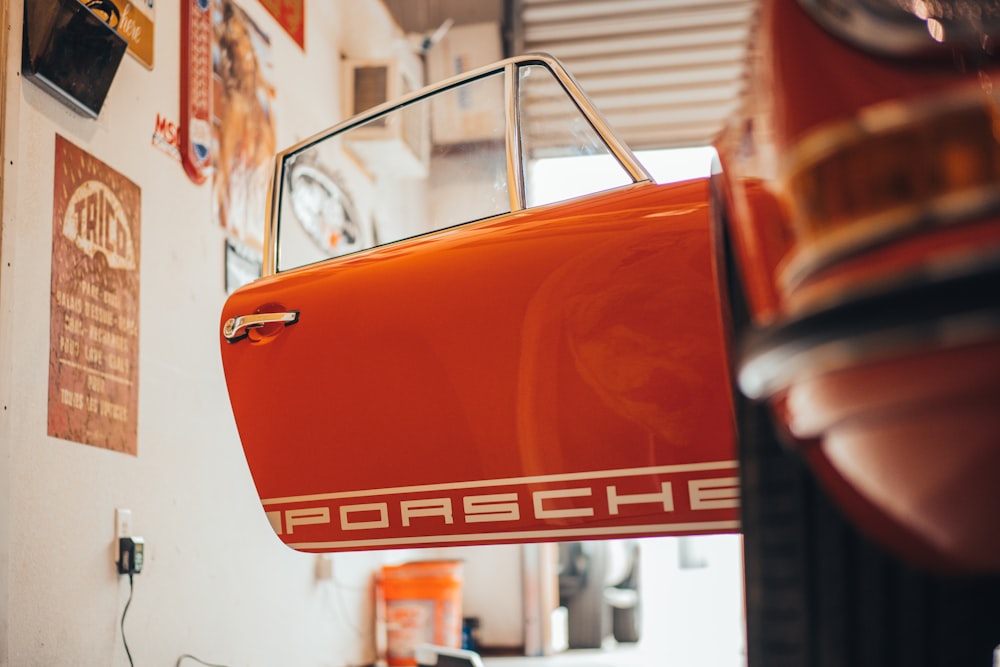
(237,327)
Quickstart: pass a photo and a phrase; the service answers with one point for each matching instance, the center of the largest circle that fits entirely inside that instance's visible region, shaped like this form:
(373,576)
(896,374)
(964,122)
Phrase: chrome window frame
(509,68)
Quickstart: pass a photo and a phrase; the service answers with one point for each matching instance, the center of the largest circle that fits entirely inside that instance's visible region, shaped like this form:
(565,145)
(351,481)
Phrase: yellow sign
(134,22)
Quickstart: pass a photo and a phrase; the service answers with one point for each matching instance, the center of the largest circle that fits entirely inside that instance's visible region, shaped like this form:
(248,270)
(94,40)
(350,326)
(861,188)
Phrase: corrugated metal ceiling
(665,73)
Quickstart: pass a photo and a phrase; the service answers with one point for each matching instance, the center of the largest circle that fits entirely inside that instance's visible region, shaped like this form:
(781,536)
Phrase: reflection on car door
(548,373)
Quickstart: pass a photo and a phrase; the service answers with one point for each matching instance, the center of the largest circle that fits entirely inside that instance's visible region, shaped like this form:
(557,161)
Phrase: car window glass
(554,132)
(436,162)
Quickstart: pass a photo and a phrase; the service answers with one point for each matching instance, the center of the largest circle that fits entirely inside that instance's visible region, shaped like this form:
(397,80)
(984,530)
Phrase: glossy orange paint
(493,381)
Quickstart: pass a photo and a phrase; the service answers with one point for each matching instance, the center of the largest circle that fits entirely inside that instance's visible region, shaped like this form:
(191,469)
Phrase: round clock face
(324,209)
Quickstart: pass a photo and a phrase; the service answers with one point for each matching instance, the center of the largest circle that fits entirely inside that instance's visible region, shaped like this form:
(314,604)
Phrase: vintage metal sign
(291,15)
(196,88)
(134,22)
(94,316)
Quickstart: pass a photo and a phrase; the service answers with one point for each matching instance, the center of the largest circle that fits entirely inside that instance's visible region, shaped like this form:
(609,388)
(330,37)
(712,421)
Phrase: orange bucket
(422,604)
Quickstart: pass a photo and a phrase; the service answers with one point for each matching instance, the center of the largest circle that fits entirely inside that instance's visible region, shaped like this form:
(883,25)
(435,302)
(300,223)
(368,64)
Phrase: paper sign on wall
(94,308)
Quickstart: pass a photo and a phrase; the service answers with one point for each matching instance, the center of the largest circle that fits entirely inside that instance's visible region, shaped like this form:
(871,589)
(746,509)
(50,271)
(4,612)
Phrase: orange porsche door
(552,372)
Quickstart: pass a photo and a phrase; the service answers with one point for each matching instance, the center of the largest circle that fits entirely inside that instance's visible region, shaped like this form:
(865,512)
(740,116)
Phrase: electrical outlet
(324,567)
(123,523)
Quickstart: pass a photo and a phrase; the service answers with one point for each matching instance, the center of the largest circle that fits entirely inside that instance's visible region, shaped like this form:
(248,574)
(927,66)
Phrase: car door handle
(238,327)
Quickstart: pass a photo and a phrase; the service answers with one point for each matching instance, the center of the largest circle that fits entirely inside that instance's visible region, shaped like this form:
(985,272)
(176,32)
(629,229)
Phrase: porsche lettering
(578,502)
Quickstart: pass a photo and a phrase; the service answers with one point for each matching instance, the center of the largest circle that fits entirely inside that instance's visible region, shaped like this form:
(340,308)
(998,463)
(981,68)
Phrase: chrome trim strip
(778,368)
(515,171)
(621,152)
(949,305)
(647,530)
(881,230)
(269,260)
(880,118)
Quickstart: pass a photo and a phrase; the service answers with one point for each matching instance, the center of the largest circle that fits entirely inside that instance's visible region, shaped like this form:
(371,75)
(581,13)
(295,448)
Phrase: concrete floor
(623,657)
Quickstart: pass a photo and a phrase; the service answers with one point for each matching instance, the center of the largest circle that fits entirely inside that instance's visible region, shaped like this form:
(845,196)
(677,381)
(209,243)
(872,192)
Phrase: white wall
(692,613)
(216,583)
(493,592)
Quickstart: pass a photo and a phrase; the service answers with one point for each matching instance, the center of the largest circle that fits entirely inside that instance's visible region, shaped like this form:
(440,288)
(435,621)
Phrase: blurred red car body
(861,196)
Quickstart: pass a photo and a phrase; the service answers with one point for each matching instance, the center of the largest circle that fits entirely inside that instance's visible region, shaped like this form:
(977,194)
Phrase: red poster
(94,321)
(291,15)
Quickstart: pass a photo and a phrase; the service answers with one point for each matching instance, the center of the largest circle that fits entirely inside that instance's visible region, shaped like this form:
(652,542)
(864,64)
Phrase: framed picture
(242,266)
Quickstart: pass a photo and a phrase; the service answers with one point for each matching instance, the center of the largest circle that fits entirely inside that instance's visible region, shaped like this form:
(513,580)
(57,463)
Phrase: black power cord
(131,551)
(125,611)
(198,660)
(184,656)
